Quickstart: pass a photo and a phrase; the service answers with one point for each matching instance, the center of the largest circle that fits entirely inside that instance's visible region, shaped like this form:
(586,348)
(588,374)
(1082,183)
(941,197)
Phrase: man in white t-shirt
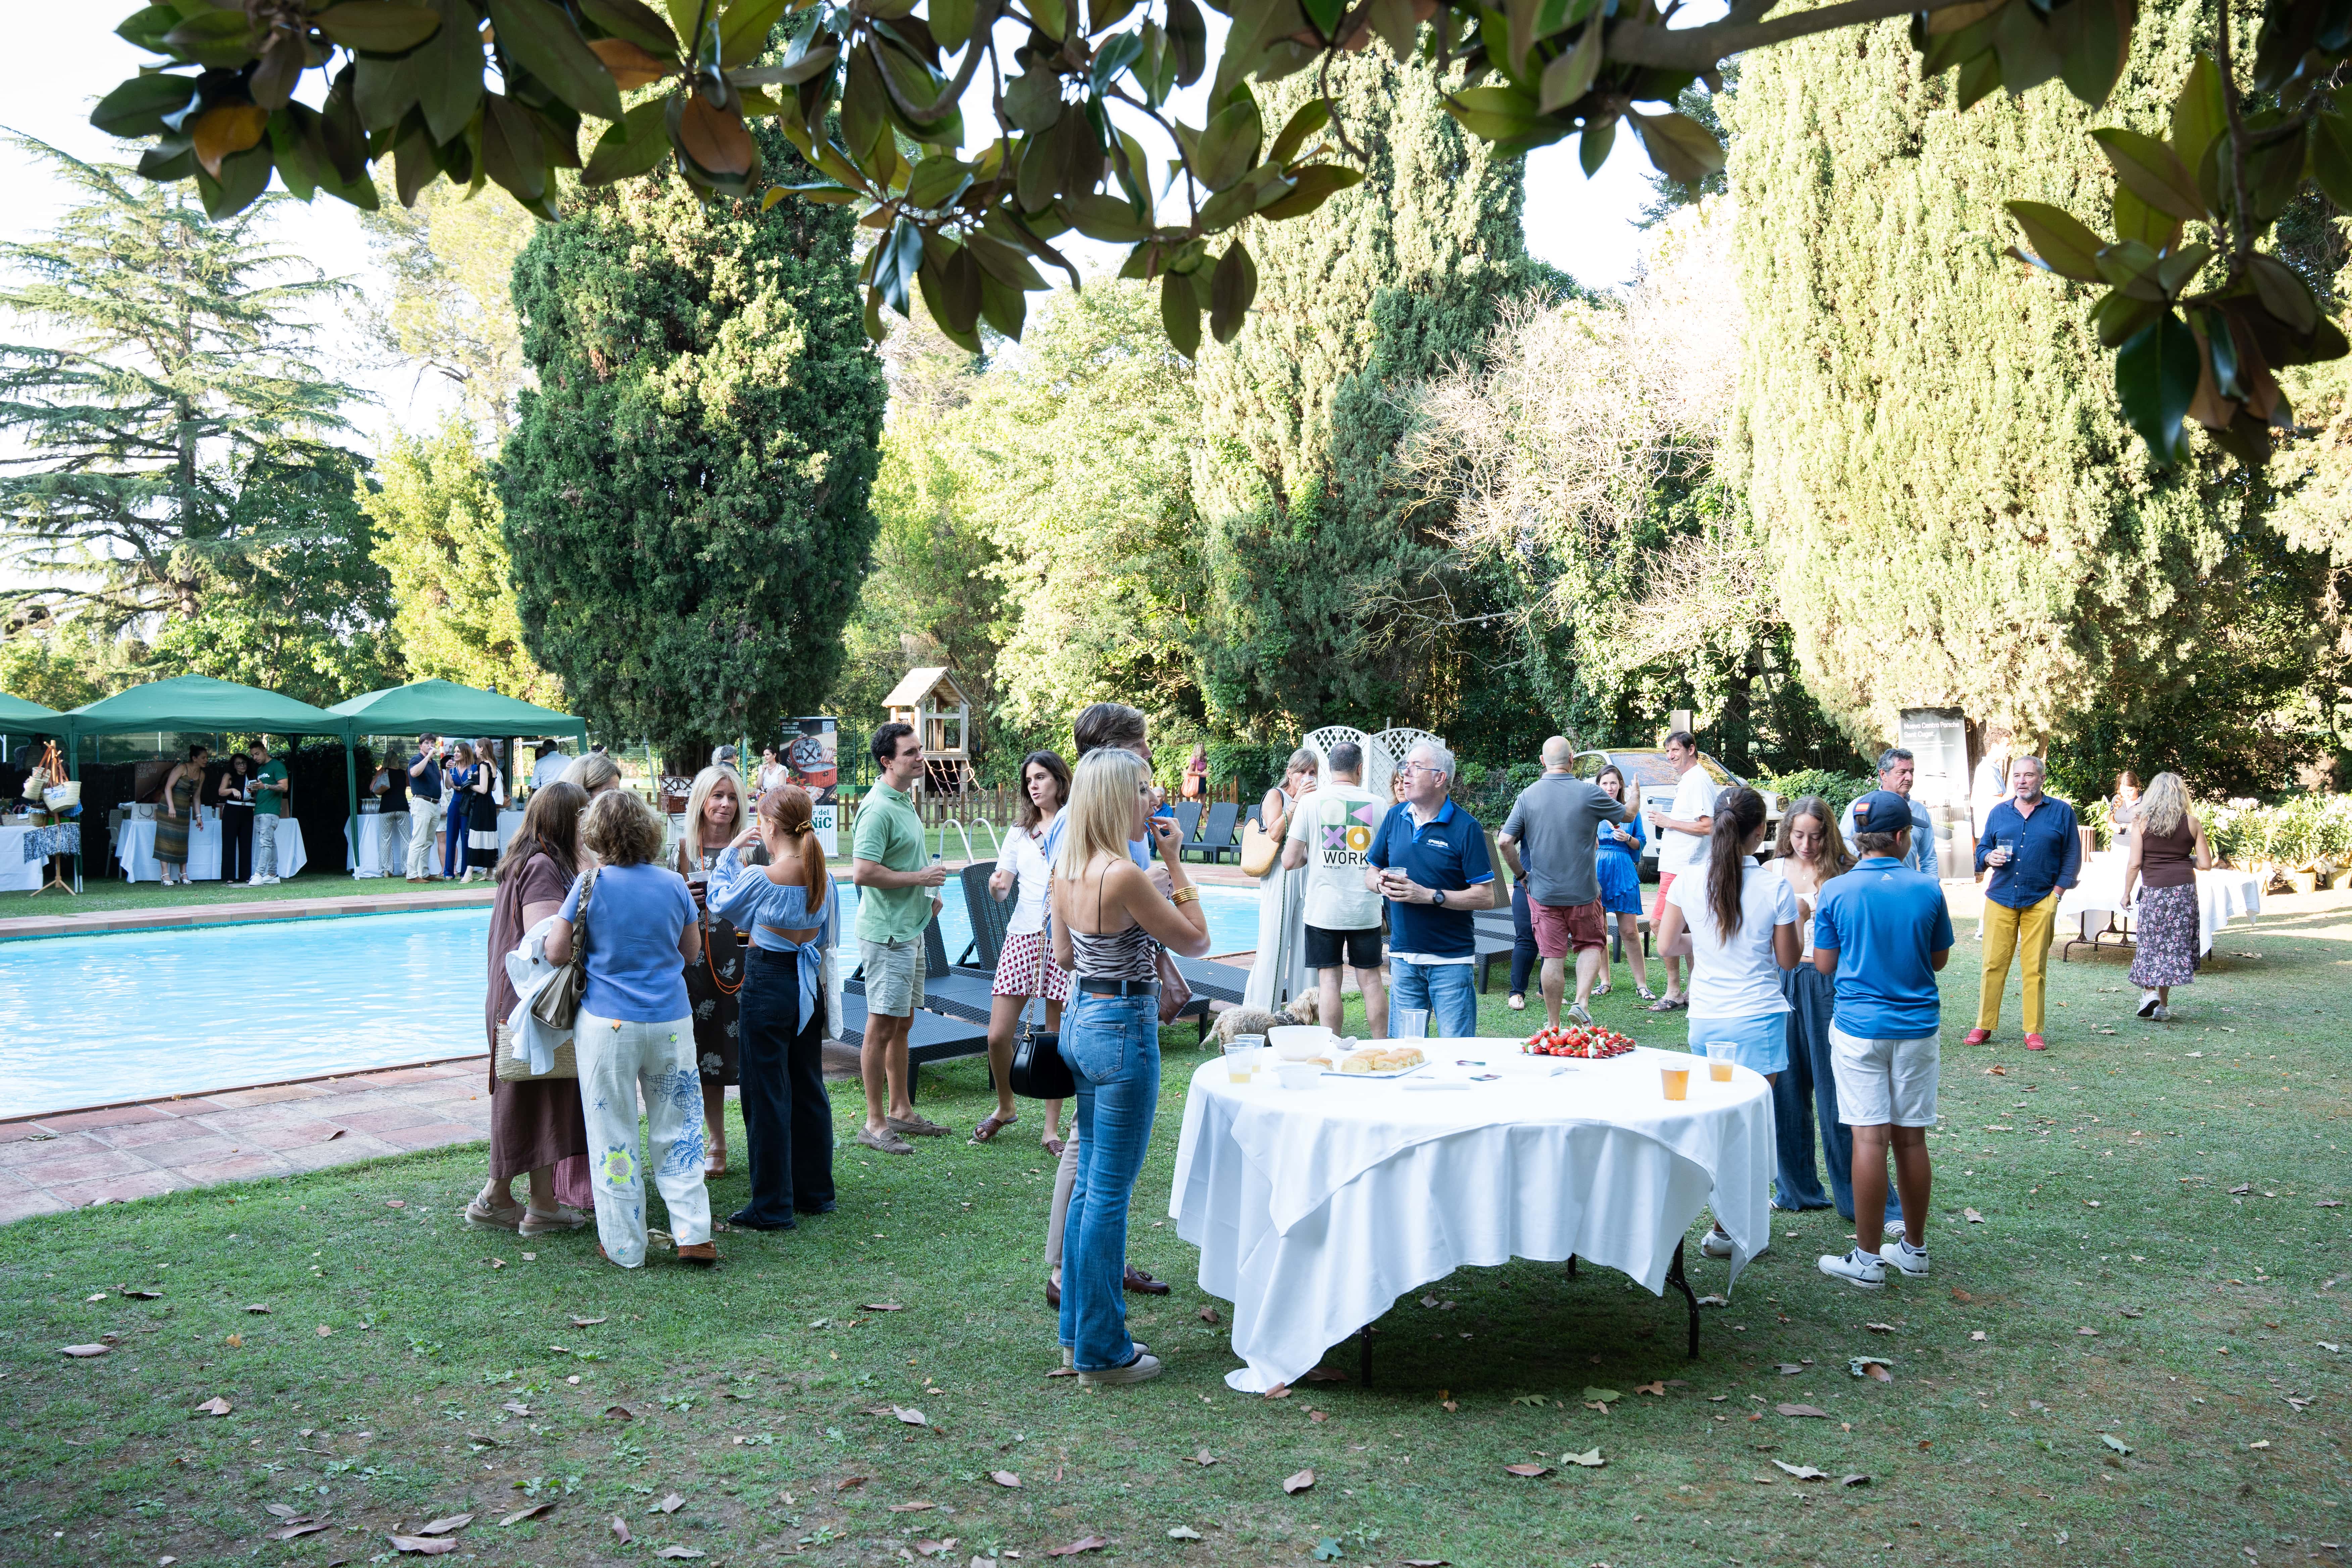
(1681,832)
(1331,829)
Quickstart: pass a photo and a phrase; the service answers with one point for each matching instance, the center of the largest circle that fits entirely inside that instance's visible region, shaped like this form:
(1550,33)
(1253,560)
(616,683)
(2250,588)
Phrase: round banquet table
(135,849)
(1314,1210)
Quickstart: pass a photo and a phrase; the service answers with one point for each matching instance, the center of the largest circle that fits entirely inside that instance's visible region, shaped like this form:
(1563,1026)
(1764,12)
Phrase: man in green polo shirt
(895,874)
(271,798)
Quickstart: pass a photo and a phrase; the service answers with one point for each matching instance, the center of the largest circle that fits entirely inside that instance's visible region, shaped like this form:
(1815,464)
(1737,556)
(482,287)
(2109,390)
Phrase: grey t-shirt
(1556,822)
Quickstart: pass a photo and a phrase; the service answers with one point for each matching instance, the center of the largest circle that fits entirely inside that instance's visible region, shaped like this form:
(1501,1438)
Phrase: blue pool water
(91,1020)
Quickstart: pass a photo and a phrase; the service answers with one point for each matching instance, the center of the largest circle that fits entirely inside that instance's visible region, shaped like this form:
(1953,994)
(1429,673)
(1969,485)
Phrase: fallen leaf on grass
(934,1548)
(338,1133)
(1801,1410)
(1801,1472)
(1871,1366)
(259,1308)
(1083,1544)
(82,1352)
(1279,1391)
(612,1412)
(1184,1532)
(325,1332)
(909,1415)
(2087,1333)
(1854,1480)
(158,1294)
(585,1322)
(1325,1374)
(1657,1388)
(1004,1478)
(1528,1470)
(2117,1444)
(1972,1216)
(918,1506)
(1715,1301)
(881,1306)
(235,1341)
(669,1504)
(1975,1333)
(1449,1405)
(1880,1328)
(1787,1368)
(2242,1189)
(621,1529)
(2129,1312)
(1294,1485)
(1590,1460)
(1996,1070)
(1318,1415)
(845,1483)
(680,1552)
(215,1407)
(422,1545)
(1425,1563)
(2265,1443)
(2329,1204)
(1538,1400)
(1593,1396)
(295,1528)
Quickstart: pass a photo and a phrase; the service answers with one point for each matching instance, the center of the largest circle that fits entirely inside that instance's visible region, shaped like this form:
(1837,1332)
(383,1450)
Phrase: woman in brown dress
(182,808)
(715,803)
(533,1125)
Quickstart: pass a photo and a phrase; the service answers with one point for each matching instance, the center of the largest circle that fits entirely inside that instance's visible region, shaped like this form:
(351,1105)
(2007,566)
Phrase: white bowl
(1298,1042)
(1299,1074)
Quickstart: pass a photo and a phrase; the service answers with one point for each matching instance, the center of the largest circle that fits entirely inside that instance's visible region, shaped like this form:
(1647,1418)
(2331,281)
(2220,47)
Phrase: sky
(1584,227)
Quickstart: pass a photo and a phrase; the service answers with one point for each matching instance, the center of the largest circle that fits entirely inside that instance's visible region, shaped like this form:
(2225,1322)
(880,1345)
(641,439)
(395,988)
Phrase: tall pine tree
(1954,510)
(1325,600)
(686,490)
(174,460)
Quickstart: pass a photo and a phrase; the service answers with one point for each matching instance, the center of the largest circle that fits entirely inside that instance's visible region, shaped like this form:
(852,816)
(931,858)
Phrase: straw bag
(558,1002)
(512,1064)
(1259,848)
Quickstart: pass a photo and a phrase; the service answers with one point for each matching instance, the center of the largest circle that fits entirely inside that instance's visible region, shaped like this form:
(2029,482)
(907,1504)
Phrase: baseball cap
(1880,811)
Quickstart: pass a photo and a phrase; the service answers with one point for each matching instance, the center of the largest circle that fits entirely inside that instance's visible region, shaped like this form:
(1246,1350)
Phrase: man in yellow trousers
(2034,849)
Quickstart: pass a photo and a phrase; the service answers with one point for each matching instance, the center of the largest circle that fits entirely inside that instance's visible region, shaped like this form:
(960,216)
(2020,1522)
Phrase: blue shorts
(1762,1042)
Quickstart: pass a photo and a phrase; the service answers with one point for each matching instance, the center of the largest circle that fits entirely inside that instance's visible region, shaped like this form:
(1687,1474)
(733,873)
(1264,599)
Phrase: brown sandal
(991,1125)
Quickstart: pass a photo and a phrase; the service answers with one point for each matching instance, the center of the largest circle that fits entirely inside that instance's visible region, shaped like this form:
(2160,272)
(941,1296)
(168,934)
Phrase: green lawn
(102,894)
(2210,1280)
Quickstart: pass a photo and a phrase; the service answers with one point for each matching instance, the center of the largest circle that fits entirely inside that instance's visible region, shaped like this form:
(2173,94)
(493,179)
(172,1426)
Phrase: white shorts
(1881,1082)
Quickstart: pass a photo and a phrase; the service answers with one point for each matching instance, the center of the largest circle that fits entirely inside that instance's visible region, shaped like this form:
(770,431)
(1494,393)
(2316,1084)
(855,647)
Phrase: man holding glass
(2034,849)
(1429,860)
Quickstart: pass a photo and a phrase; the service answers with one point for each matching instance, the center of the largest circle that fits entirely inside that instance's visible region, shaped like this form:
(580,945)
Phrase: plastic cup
(1408,1023)
(1241,1057)
(1676,1081)
(1721,1055)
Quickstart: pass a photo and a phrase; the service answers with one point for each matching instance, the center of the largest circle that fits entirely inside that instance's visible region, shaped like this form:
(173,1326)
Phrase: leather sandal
(1055,1146)
(991,1125)
(1143,1284)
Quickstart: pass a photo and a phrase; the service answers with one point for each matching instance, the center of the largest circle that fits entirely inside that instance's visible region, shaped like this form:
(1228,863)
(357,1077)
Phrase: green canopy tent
(200,702)
(445,707)
(18,717)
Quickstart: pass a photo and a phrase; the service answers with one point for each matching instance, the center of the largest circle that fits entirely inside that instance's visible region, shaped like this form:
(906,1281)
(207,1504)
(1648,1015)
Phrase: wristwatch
(1437,897)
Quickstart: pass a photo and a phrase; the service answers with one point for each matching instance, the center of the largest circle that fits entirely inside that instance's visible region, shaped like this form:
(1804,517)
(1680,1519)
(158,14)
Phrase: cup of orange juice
(1676,1082)
(1721,1055)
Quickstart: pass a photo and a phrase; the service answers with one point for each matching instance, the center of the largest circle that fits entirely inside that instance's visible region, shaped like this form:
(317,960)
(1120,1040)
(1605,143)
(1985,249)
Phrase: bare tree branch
(1702,48)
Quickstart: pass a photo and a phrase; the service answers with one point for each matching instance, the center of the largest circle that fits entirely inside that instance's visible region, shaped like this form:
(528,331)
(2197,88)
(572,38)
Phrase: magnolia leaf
(1571,76)
(1228,147)
(84,1352)
(542,39)
(1179,317)
(632,67)
(1592,147)
(424,1545)
(1184,1532)
(1004,1478)
(1529,1471)
(1310,188)
(1812,1410)
(1683,151)
(531,1511)
(220,39)
(2200,113)
(632,19)
(2061,243)
(2151,171)
(1802,1472)
(510,149)
(2156,378)
(2092,37)
(140,106)
(1083,1544)
(379,27)
(2283,294)
(1188,34)
(717,139)
(1298,1483)
(230,128)
(1232,288)
(743,30)
(1305,121)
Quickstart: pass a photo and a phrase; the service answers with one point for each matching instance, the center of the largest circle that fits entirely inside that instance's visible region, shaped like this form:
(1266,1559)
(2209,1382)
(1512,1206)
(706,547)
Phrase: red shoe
(2036,1043)
(1977,1036)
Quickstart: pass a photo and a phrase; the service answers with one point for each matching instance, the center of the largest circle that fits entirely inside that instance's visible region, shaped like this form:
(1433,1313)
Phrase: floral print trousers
(619,1058)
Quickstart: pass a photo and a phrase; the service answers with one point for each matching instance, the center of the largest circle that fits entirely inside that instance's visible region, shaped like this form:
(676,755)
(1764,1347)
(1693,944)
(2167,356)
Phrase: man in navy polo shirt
(1429,860)
(1882,931)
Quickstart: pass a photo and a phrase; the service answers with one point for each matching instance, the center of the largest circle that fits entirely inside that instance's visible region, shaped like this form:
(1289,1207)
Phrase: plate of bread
(1382,1058)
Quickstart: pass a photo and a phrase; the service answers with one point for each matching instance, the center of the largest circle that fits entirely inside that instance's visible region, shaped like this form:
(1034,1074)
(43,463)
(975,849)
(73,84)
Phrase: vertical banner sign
(813,759)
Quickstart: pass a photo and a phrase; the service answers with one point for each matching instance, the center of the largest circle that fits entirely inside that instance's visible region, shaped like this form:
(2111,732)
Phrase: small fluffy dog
(1235,1021)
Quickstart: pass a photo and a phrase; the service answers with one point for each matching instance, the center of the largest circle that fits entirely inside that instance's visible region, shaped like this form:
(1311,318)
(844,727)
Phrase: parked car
(1653,778)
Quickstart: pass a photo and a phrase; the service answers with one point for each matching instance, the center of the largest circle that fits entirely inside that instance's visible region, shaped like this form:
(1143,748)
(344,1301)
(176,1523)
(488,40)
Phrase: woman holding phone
(714,815)
(233,797)
(1109,922)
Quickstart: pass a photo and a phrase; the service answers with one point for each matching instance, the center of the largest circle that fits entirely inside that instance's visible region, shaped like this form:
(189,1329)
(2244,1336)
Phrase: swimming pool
(91,1020)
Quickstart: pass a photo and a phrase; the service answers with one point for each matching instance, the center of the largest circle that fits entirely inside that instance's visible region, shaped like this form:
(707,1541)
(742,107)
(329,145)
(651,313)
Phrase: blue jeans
(1807,1087)
(1112,1044)
(1524,957)
(1445,989)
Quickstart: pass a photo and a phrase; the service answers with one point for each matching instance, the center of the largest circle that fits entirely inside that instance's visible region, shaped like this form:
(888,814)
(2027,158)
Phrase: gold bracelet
(1184,895)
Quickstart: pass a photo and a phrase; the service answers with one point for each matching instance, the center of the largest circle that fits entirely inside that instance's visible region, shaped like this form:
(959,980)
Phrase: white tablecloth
(380,847)
(19,875)
(1314,1210)
(134,847)
(2222,896)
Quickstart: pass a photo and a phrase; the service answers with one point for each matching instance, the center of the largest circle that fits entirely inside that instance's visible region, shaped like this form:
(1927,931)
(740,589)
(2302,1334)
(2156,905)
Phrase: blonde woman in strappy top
(1109,923)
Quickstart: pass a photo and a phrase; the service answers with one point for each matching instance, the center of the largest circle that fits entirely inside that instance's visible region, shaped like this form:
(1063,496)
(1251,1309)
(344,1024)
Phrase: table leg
(1571,1266)
(1364,1356)
(1675,1277)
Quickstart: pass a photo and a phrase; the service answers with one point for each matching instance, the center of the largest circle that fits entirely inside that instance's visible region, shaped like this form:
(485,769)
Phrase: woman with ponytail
(1737,923)
(780,907)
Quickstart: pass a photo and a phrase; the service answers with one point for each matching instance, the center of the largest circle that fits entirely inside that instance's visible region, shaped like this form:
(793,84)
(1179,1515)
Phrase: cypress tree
(686,490)
(1319,582)
(1956,512)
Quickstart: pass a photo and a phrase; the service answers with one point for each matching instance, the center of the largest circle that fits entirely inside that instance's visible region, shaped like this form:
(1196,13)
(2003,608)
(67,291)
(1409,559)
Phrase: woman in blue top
(636,925)
(787,1119)
(1618,864)
(457,788)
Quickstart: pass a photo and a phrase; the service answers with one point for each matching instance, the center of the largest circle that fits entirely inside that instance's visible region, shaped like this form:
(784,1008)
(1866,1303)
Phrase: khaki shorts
(894,976)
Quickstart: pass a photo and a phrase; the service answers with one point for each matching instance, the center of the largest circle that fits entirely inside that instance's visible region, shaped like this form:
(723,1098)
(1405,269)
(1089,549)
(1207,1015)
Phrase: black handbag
(1038,1071)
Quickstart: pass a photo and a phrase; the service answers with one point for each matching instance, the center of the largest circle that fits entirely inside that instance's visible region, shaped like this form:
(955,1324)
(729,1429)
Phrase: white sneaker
(1857,1268)
(1912,1260)
(2147,1003)
(2163,1013)
(1715,1243)
(1142,1368)
(257,881)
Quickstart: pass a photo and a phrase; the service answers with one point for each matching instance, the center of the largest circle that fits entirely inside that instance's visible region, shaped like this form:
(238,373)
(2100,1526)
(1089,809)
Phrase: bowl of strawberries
(1590,1041)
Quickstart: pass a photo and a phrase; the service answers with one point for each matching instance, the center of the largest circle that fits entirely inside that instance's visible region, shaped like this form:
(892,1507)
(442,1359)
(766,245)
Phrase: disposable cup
(1721,1056)
(1676,1081)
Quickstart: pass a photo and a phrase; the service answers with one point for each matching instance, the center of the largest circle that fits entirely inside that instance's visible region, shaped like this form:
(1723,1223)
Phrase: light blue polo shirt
(1886,921)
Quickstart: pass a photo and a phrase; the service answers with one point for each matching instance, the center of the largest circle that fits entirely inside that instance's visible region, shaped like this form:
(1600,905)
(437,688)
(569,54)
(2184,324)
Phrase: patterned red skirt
(1026,968)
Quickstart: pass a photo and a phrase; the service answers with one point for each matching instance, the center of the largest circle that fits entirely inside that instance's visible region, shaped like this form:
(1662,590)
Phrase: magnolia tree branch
(1703,48)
